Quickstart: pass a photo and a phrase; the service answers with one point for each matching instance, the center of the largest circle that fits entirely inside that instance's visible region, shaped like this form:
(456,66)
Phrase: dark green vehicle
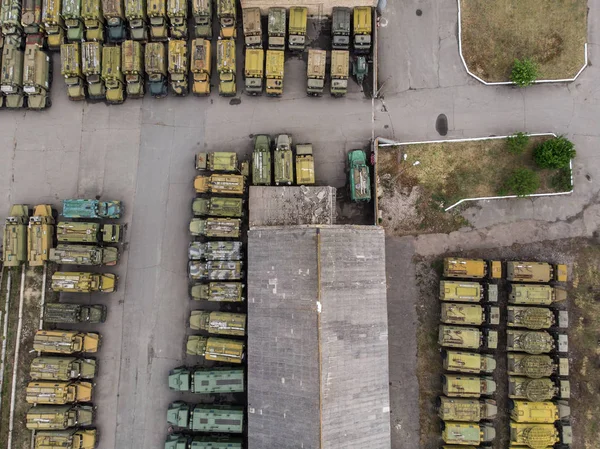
(359,176)
(207,380)
(218,207)
(261,160)
(218,292)
(74,313)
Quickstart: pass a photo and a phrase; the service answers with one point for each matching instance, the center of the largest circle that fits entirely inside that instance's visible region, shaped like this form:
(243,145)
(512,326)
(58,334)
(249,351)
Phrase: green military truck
(114,12)
(91,67)
(67,439)
(74,313)
(315,72)
(65,342)
(276,29)
(14,239)
(202,12)
(157,12)
(339,72)
(226,66)
(71,12)
(305,164)
(261,160)
(283,160)
(40,235)
(156,68)
(340,28)
(218,207)
(216,227)
(215,270)
(464,409)
(297,28)
(62,368)
(252,27)
(274,72)
(226,12)
(11,78)
(218,292)
(254,70)
(80,282)
(84,232)
(468,362)
(467,337)
(216,349)
(70,60)
(53,23)
(456,385)
(206,418)
(362,29)
(58,393)
(178,67)
(219,323)
(215,250)
(113,75)
(59,417)
(93,20)
(220,183)
(201,64)
(132,62)
(137,17)
(207,380)
(177,12)
(221,161)
(37,75)
(180,441)
(359,176)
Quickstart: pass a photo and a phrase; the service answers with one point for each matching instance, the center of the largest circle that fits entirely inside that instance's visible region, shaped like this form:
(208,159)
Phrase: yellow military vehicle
(157,12)
(216,349)
(156,68)
(93,20)
(362,29)
(461,291)
(62,368)
(458,386)
(274,72)
(535,342)
(114,12)
(536,366)
(80,282)
(11,77)
(40,235)
(541,272)
(66,439)
(223,161)
(471,314)
(315,72)
(59,393)
(252,27)
(220,323)
(537,390)
(113,75)
(254,70)
(467,337)
(59,417)
(177,12)
(226,12)
(469,410)
(455,267)
(65,342)
(226,67)
(71,12)
(71,70)
(202,12)
(37,75)
(178,67)
(536,317)
(200,65)
(132,53)
(91,67)
(340,63)
(219,183)
(467,433)
(297,28)
(53,23)
(276,28)
(137,16)
(468,362)
(539,412)
(535,295)
(305,164)
(534,435)
(15,236)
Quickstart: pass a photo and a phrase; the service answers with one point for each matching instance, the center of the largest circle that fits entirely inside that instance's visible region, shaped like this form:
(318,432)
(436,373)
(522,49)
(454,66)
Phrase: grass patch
(551,33)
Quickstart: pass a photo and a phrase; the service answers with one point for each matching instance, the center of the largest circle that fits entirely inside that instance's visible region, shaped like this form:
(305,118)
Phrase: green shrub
(517,142)
(554,153)
(524,72)
(562,180)
(522,182)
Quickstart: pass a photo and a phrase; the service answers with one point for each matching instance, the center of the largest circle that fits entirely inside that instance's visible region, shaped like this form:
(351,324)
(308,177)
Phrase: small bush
(517,142)
(554,153)
(522,182)
(562,180)
(524,72)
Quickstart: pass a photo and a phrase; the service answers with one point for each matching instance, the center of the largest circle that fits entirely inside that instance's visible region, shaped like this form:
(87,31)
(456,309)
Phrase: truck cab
(156,68)
(157,12)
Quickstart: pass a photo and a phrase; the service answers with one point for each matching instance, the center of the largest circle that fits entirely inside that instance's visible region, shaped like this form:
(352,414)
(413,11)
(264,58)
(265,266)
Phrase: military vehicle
(215,270)
(542,389)
(226,67)
(156,68)
(114,12)
(113,75)
(539,412)
(455,385)
(276,29)
(60,312)
(468,362)
(340,28)
(207,380)
(470,410)
(80,232)
(67,439)
(37,75)
(59,417)
(91,67)
(206,418)
(132,63)
(178,441)
(10,18)
(261,160)
(535,295)
(62,368)
(157,12)
(216,227)
(65,342)
(79,282)
(215,250)
(360,69)
(178,67)
(245,169)
(461,291)
(455,267)
(471,314)
(59,393)
(53,23)
(535,342)
(540,272)
(71,12)
(136,15)
(177,12)
(297,28)
(92,208)
(40,235)
(222,184)
(254,70)
(204,442)
(315,72)
(539,435)
(339,72)
(362,29)
(226,12)
(217,292)
(359,176)
(467,337)
(217,161)
(536,317)
(283,160)
(70,60)
(216,349)
(11,79)
(93,20)
(219,323)
(31,19)
(201,66)
(536,366)
(274,72)
(305,165)
(467,433)
(202,12)
(15,236)
(252,28)
(218,207)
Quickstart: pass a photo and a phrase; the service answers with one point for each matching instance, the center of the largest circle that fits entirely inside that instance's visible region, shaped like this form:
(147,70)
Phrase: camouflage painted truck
(455,267)
(181,441)
(58,393)
(157,13)
(252,27)
(62,368)
(177,12)
(91,67)
(537,366)
(219,323)
(70,59)
(218,292)
(65,342)
(456,385)
(40,235)
(59,417)
(11,78)
(84,232)
(93,20)
(535,295)
(536,342)
(114,13)
(536,318)
(132,64)
(218,207)
(467,433)
(53,23)
(207,380)
(215,250)
(75,208)
(261,160)
(178,67)
(155,58)
(10,19)
(31,21)
(315,72)
(112,74)
(61,312)
(37,76)
(363,27)
(539,412)
(206,418)
(66,439)
(216,227)
(136,13)
(216,349)
(276,28)
(540,435)
(542,389)
(539,272)
(468,362)
(226,67)
(15,236)
(305,164)
(71,12)
(215,270)
(274,69)
(220,184)
(359,176)
(254,71)
(202,12)
(79,282)
(283,160)
(469,314)
(225,161)
(340,28)
(200,65)
(340,60)
(297,28)
(226,12)
(467,337)
(463,409)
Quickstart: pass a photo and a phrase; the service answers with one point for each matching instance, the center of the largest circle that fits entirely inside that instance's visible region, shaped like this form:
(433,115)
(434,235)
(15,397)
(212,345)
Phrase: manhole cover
(235,101)
(419,12)
(441,124)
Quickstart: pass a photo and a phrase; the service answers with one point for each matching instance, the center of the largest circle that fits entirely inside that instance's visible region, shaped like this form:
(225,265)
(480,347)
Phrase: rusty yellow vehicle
(112,74)
(58,392)
(456,267)
(540,272)
(178,67)
(93,20)
(15,236)
(91,67)
(132,53)
(40,235)
(216,349)
(81,282)
(53,23)
(71,70)
(201,66)
(65,342)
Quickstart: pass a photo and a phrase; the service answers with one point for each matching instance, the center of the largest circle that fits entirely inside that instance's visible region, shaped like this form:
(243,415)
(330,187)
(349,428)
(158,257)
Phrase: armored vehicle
(283,160)
(113,76)
(156,68)
(84,255)
(207,380)
(71,12)
(261,160)
(220,323)
(66,439)
(177,12)
(70,60)
(216,442)
(93,20)
(359,176)
(226,12)
(59,417)
(218,292)
(31,18)
(340,28)
(206,418)
(305,165)
(217,161)
(226,67)
(535,295)
(536,317)
(340,60)
(114,12)
(222,184)
(536,435)
(61,312)
(216,349)
(537,390)
(178,67)
(297,28)
(467,433)
(79,282)
(202,12)
(59,393)
(53,23)
(136,15)
(455,385)
(467,337)
(91,208)
(10,18)
(11,78)
(62,368)
(65,342)
(178,441)
(540,272)
(360,69)
(215,250)
(15,236)
(455,267)
(274,72)
(132,61)
(157,12)
(470,410)
(80,232)
(252,27)
(536,366)
(37,74)
(539,412)
(315,72)
(468,362)
(40,235)
(461,291)
(254,70)
(216,270)
(276,29)
(91,67)
(535,342)
(216,227)
(362,29)
(472,314)
(201,66)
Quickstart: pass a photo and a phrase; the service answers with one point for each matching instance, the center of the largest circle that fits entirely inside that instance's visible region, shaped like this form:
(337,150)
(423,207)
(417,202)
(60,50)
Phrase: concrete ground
(142,153)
